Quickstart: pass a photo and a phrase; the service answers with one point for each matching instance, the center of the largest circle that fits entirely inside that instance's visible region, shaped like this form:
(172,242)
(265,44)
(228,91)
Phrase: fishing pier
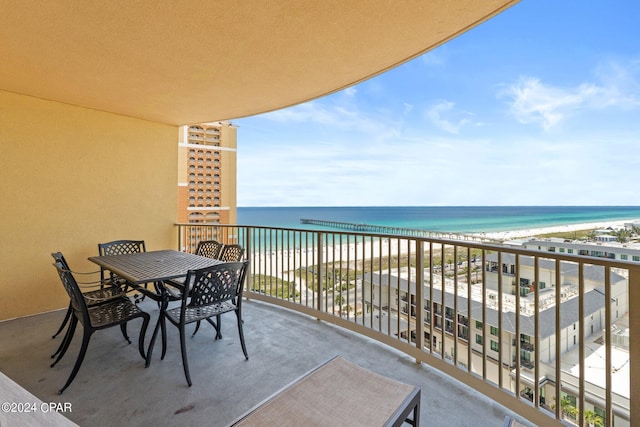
(396,231)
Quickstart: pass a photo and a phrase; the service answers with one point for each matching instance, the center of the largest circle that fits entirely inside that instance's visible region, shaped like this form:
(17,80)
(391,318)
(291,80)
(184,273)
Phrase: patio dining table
(155,267)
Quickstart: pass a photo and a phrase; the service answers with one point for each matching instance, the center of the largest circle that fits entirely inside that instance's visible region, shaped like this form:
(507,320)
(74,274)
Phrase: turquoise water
(459,219)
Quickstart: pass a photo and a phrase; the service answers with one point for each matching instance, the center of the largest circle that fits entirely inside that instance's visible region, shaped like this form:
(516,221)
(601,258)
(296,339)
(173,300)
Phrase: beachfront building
(207,178)
(207,173)
(502,338)
(603,248)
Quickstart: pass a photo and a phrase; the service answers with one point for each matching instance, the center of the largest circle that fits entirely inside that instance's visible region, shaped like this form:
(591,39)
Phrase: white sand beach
(287,260)
(518,234)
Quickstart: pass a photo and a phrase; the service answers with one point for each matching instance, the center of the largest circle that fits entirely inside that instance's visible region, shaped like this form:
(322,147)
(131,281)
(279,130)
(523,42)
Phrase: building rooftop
(593,301)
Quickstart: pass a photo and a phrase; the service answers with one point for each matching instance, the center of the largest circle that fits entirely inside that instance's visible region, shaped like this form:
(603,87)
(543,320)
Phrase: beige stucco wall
(228,172)
(72,177)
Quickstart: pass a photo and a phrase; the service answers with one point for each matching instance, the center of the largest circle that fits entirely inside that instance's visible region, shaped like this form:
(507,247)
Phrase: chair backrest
(78,303)
(231,253)
(58,257)
(120,247)
(219,283)
(209,248)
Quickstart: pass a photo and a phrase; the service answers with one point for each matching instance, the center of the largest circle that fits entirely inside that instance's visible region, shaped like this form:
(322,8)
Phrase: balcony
(301,276)
(526,346)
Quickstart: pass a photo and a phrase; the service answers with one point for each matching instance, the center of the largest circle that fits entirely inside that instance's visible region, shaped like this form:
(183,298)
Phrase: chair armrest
(173,290)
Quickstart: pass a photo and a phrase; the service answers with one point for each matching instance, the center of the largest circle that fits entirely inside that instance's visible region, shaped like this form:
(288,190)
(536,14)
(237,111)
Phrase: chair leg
(244,347)
(123,328)
(86,335)
(143,332)
(196,330)
(216,327)
(63,342)
(68,337)
(152,342)
(64,321)
(219,328)
(183,349)
(163,329)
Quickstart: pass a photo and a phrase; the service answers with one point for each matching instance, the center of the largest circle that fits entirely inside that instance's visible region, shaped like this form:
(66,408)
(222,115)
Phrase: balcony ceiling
(202,60)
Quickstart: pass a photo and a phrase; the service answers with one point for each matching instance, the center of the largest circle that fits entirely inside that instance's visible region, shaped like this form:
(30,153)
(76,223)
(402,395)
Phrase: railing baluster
(536,333)
(320,266)
(419,302)
(484,341)
(518,334)
(607,348)
(634,344)
(469,315)
(484,313)
(455,306)
(581,361)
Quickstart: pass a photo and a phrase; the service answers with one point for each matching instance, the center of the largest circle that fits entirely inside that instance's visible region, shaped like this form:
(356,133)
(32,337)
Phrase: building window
(636,258)
(478,324)
(494,331)
(624,257)
(494,346)
(600,413)
(478,339)
(570,251)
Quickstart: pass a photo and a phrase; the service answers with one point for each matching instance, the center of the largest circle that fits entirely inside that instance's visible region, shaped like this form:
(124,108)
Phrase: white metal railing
(571,370)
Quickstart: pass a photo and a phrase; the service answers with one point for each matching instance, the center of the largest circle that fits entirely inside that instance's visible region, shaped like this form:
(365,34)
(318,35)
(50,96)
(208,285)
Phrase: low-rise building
(601,249)
(501,334)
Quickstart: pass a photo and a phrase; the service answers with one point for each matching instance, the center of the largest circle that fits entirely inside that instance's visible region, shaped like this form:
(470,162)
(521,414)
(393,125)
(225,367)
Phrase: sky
(538,106)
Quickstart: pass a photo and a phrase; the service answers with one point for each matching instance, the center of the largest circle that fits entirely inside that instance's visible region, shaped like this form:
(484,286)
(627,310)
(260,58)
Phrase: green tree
(593,419)
(623,235)
(567,408)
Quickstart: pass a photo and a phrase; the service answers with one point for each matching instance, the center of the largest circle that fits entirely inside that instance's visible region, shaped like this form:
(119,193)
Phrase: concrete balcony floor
(113,387)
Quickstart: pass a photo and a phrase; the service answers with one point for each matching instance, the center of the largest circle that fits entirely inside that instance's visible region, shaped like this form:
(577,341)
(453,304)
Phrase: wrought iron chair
(228,253)
(206,248)
(120,247)
(231,253)
(209,248)
(102,316)
(101,292)
(214,291)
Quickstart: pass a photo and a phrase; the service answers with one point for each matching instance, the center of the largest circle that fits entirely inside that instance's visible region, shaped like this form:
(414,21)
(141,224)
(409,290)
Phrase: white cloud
(336,112)
(535,102)
(532,101)
(448,118)
(351,91)
(433,59)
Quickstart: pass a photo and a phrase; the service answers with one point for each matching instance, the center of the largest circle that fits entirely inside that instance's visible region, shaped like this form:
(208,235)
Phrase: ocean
(458,219)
